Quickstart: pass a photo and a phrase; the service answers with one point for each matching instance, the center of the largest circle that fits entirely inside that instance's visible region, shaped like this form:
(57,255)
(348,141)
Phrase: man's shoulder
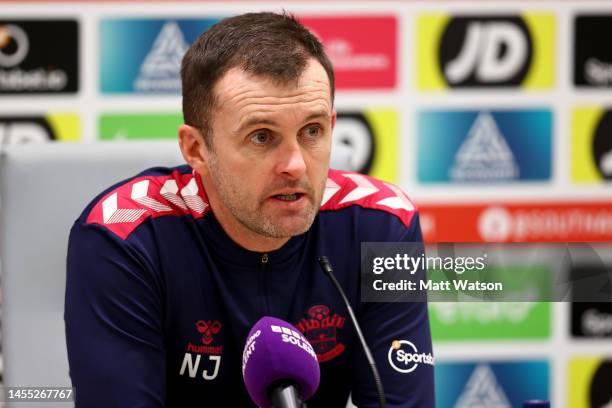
(153,193)
(345,189)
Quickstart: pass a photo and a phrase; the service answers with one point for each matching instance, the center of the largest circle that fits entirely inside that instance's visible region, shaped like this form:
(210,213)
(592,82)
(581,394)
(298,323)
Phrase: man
(168,271)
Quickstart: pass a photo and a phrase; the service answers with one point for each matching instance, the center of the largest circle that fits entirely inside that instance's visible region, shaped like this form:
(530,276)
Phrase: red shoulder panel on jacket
(129,205)
(344,189)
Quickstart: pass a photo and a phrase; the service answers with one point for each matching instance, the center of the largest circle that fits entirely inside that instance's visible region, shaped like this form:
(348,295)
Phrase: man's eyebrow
(322,114)
(258,120)
(254,120)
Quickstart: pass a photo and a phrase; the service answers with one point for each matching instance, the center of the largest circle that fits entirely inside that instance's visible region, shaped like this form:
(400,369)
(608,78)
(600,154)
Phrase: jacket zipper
(263,286)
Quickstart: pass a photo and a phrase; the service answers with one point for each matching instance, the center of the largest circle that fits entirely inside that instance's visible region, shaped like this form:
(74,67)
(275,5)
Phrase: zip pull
(264,259)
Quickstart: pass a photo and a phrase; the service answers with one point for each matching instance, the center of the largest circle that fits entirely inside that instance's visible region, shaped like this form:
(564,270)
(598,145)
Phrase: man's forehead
(237,84)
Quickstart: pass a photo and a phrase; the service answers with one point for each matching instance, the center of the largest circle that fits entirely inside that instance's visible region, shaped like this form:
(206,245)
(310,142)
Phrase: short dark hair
(267,44)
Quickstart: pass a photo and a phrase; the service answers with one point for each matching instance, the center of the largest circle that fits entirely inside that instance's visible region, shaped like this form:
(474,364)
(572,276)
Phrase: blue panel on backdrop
(491,384)
(144,55)
(484,146)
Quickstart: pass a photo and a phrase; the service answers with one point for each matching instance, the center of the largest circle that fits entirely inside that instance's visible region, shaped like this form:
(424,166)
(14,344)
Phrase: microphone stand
(327,268)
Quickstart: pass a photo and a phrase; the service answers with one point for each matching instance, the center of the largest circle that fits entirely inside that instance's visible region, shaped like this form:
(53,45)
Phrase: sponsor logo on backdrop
(491,321)
(480,51)
(589,382)
(518,222)
(39,129)
(591,319)
(161,68)
(592,53)
(601,395)
(362,49)
(484,154)
(590,275)
(354,132)
(482,390)
(144,55)
(15,45)
(369,137)
(491,384)
(602,146)
(38,56)
(485,146)
(591,144)
(134,126)
(25,130)
(485,51)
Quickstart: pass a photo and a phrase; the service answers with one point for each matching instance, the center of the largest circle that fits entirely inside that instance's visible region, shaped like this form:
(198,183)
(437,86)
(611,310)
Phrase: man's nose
(291,162)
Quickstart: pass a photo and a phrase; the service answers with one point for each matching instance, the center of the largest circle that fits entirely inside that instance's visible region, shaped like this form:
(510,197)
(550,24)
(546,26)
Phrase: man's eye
(260,137)
(312,131)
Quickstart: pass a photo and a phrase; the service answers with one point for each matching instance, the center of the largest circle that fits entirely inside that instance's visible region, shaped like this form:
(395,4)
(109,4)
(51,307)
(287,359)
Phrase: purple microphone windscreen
(275,350)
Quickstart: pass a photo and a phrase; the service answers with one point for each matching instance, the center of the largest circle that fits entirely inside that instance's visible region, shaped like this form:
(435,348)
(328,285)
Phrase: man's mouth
(288,197)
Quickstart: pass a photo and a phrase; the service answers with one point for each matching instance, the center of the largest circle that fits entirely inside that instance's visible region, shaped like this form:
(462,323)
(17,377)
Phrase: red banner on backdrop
(363,50)
(517,222)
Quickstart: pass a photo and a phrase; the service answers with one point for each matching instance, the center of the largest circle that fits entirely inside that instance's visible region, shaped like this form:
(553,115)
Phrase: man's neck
(245,237)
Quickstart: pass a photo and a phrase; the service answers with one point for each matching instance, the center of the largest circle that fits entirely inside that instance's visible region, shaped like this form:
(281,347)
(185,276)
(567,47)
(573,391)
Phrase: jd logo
(600,394)
(485,51)
(25,130)
(353,131)
(602,146)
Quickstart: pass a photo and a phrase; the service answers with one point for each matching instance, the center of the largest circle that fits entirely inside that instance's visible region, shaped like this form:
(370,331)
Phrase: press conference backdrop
(496,118)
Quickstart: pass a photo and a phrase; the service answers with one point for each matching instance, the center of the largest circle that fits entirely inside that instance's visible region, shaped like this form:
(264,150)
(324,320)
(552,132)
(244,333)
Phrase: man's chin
(288,231)
(291,227)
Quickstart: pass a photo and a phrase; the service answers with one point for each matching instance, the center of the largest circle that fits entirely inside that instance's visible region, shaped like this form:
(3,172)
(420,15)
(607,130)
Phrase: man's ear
(333,119)
(191,143)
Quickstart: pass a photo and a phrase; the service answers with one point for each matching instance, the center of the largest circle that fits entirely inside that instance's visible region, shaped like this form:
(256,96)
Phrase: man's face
(266,173)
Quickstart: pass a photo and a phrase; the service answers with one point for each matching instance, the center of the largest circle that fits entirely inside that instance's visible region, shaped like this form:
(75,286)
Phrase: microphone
(279,366)
(328,270)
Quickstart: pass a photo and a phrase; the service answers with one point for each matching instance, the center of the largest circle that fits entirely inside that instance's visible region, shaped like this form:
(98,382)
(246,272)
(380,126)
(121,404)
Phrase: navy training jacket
(159,300)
